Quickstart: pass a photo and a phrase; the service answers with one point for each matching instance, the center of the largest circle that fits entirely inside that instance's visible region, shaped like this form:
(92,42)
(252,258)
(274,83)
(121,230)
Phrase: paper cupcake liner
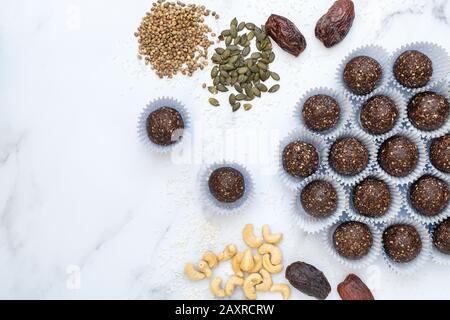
(442,89)
(409,268)
(154,105)
(438,256)
(421,163)
(345,106)
(400,102)
(368,142)
(376,52)
(437,54)
(414,214)
(310,224)
(394,208)
(221,208)
(290,181)
(354,264)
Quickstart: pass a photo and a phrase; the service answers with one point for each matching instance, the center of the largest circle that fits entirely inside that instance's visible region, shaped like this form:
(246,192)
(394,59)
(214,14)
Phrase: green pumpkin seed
(232,99)
(262,87)
(237,40)
(219,50)
(242,70)
(216,81)
(226,54)
(262,66)
(222,88)
(241,26)
(256,91)
(233,59)
(214,102)
(247,106)
(233,48)
(275,76)
(246,51)
(228,67)
(228,41)
(225,33)
(274,88)
(233,32)
(250,26)
(233,22)
(236,106)
(271,57)
(250,35)
(214,72)
(238,88)
(212,89)
(255,55)
(241,97)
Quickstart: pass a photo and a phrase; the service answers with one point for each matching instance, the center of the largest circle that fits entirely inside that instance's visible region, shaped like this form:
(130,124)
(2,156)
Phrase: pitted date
(286,34)
(352,288)
(308,279)
(334,26)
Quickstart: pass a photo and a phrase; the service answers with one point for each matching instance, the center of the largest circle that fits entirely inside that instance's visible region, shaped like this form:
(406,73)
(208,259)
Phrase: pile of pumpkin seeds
(236,67)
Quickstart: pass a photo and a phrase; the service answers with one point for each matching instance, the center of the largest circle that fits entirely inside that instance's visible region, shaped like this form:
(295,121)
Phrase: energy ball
(362,75)
(428,111)
(300,159)
(398,156)
(321,113)
(348,156)
(165,126)
(353,240)
(379,115)
(413,69)
(440,153)
(402,243)
(319,199)
(372,198)
(226,184)
(429,195)
(441,236)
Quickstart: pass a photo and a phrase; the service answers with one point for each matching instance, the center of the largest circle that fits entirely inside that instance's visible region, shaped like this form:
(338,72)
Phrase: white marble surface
(87,212)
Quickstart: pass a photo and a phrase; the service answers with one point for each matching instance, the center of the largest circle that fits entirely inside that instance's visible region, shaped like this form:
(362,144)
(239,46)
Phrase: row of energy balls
(398,156)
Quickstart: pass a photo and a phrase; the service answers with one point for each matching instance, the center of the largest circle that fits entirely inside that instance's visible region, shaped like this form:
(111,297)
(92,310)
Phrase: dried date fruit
(354,289)
(308,279)
(285,33)
(334,26)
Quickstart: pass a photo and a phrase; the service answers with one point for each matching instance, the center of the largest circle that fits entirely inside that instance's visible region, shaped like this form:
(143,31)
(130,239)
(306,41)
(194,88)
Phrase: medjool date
(285,33)
(352,288)
(308,279)
(334,26)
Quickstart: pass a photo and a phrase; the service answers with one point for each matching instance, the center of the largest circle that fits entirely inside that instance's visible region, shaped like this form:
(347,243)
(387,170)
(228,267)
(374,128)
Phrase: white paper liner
(438,256)
(410,268)
(414,214)
(394,208)
(421,163)
(376,52)
(152,106)
(443,89)
(221,208)
(400,102)
(290,181)
(367,141)
(364,262)
(310,224)
(345,106)
(437,54)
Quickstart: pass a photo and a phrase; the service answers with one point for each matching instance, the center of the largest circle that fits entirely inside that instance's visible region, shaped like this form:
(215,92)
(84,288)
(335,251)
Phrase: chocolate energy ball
(165,126)
(372,198)
(413,69)
(300,159)
(379,115)
(429,195)
(348,156)
(321,113)
(319,199)
(362,75)
(226,184)
(428,111)
(353,240)
(441,236)
(398,156)
(402,243)
(440,153)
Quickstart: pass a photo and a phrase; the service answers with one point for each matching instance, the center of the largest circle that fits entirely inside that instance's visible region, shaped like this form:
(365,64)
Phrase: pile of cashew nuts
(252,272)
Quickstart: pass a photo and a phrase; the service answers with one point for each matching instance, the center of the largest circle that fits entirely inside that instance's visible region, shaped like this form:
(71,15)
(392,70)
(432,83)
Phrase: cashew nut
(232,283)
(216,289)
(247,262)
(236,264)
(276,256)
(258,264)
(249,285)
(229,252)
(267,281)
(204,268)
(192,273)
(249,237)
(269,237)
(267,264)
(284,289)
(211,259)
